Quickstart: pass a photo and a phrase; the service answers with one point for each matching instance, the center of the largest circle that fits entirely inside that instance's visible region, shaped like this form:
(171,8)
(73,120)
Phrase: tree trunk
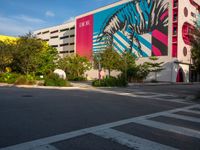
(109,73)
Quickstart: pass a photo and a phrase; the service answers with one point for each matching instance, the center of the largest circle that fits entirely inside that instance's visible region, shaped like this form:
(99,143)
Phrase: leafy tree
(195,51)
(110,60)
(6,58)
(142,72)
(128,66)
(75,66)
(154,66)
(33,55)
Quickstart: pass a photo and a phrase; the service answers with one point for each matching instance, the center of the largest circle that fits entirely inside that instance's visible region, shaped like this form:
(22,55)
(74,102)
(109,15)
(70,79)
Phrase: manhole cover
(27,95)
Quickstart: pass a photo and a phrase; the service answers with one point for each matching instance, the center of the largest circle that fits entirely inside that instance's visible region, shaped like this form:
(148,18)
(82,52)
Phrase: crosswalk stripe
(187,118)
(142,96)
(69,135)
(131,140)
(168,127)
(193,111)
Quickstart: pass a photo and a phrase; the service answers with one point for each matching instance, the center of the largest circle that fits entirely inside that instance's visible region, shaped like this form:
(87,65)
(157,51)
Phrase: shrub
(78,79)
(55,80)
(8,77)
(110,82)
(25,80)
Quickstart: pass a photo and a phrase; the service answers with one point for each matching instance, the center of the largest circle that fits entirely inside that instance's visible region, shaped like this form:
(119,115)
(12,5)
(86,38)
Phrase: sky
(18,17)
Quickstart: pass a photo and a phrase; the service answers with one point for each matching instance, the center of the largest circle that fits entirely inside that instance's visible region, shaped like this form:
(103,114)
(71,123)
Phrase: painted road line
(140,96)
(69,135)
(192,111)
(168,127)
(192,119)
(131,141)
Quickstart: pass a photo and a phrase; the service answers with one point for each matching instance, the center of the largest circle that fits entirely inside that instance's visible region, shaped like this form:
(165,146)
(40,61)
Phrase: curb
(160,84)
(39,87)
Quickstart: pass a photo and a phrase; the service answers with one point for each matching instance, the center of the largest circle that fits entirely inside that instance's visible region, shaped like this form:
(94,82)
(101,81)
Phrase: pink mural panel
(84,36)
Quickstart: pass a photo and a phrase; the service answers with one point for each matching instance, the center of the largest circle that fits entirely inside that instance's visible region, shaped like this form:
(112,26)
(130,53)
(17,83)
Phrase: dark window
(65,44)
(54,31)
(71,43)
(193,15)
(66,29)
(72,28)
(63,52)
(176,3)
(72,35)
(39,33)
(46,40)
(72,51)
(175,17)
(45,32)
(64,37)
(53,37)
(175,31)
(54,46)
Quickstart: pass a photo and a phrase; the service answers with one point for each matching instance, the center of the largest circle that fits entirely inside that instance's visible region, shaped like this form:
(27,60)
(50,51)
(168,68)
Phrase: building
(142,27)
(145,28)
(62,37)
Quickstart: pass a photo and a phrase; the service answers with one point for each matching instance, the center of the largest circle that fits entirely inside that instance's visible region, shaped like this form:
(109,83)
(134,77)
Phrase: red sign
(84,36)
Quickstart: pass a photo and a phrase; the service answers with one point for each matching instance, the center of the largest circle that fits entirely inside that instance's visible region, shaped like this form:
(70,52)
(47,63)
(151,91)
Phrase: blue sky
(18,17)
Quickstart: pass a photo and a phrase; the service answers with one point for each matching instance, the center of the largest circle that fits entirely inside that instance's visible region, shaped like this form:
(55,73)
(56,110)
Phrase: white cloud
(18,25)
(49,14)
(29,19)
(70,19)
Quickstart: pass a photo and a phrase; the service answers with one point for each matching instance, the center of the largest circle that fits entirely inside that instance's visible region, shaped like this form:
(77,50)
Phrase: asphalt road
(50,115)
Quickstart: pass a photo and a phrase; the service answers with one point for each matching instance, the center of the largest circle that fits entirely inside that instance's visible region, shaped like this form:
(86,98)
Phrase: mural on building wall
(138,26)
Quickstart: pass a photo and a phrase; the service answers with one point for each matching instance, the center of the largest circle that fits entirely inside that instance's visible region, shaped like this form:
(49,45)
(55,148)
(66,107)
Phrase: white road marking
(187,118)
(73,134)
(132,141)
(171,128)
(142,96)
(193,111)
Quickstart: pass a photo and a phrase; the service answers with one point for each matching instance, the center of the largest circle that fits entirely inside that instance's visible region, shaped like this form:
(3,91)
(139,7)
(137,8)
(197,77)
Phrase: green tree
(33,55)
(195,51)
(6,56)
(110,60)
(75,66)
(128,66)
(155,66)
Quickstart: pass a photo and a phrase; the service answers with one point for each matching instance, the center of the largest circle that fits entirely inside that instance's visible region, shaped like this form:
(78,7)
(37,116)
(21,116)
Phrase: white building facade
(62,37)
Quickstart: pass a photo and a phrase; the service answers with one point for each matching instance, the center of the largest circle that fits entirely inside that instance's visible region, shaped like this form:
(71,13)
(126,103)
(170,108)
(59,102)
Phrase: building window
(54,37)
(72,35)
(71,43)
(39,33)
(72,51)
(65,44)
(175,3)
(66,29)
(54,31)
(64,37)
(45,32)
(193,15)
(54,46)
(175,31)
(46,40)
(63,52)
(175,17)
(72,28)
